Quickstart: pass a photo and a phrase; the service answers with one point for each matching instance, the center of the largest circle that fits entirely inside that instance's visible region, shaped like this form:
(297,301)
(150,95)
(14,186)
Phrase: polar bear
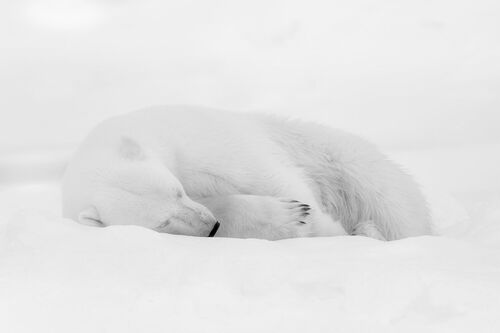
(181,169)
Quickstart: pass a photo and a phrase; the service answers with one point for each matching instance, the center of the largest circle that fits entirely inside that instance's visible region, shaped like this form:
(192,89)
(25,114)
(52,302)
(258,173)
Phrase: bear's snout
(214,230)
(191,219)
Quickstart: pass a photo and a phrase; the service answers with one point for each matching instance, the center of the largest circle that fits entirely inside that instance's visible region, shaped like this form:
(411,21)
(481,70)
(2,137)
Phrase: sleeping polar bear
(181,169)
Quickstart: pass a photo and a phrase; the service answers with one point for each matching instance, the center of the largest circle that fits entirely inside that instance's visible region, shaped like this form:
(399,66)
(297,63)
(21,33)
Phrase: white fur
(178,169)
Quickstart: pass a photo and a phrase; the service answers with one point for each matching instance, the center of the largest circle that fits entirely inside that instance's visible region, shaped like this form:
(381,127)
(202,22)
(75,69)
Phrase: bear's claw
(299,210)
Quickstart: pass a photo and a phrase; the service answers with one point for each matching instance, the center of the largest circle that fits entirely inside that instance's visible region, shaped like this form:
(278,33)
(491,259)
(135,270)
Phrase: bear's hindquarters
(353,181)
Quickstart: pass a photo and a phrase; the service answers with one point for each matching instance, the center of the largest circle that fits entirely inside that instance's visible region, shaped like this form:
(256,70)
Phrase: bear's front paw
(297,211)
(289,219)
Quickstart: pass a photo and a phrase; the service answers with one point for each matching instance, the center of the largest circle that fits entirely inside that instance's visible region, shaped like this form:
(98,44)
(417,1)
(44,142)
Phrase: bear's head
(132,188)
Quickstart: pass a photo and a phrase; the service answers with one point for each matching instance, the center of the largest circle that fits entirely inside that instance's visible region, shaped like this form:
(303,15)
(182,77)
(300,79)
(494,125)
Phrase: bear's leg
(253,216)
(322,224)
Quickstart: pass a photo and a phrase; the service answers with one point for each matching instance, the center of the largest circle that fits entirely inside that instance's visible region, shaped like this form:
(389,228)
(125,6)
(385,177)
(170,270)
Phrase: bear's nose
(214,229)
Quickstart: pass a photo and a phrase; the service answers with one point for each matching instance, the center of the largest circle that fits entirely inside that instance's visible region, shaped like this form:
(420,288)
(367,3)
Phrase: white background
(421,79)
(401,73)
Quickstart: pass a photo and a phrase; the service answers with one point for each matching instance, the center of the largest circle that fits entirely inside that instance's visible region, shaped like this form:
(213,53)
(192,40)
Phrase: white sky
(404,74)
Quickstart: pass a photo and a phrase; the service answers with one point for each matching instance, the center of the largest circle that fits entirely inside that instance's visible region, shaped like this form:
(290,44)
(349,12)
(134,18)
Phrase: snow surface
(420,79)
(59,276)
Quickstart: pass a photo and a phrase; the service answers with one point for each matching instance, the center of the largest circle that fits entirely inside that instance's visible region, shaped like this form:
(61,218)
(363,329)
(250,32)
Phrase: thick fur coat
(180,169)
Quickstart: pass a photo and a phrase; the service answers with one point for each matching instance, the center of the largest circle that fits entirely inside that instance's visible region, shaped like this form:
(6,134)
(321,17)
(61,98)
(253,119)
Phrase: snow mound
(59,276)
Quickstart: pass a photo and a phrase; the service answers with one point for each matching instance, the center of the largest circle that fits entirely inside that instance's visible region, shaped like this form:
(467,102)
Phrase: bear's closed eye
(164,224)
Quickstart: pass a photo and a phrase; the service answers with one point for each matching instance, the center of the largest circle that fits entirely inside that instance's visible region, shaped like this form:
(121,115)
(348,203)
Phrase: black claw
(305,213)
(302,222)
(294,201)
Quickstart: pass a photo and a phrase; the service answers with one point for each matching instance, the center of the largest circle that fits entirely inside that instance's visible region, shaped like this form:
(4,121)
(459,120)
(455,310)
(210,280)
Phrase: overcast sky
(404,74)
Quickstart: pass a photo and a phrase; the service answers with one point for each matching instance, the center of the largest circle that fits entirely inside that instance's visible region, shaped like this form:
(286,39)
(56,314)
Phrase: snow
(59,276)
(419,79)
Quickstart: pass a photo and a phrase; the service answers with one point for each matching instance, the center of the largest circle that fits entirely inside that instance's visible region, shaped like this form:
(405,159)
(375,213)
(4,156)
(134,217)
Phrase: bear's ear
(131,150)
(90,216)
